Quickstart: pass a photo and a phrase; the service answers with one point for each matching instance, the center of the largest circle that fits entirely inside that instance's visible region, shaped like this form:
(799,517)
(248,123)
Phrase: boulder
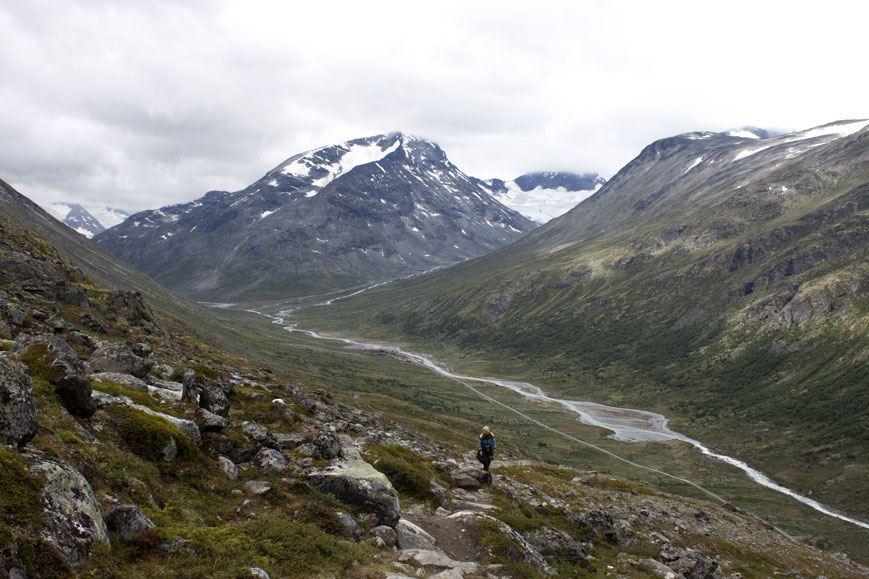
(190,390)
(411,536)
(270,461)
(687,563)
(73,521)
(216,443)
(349,527)
(126,358)
(601,521)
(258,433)
(208,421)
(436,563)
(470,479)
(18,421)
(385,535)
(228,467)
(355,482)
(127,380)
(128,523)
(522,550)
(326,445)
(556,545)
(213,398)
(76,394)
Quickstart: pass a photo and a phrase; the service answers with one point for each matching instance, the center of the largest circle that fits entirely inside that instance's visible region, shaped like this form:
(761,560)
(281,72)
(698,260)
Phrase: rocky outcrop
(73,522)
(128,523)
(521,551)
(355,482)
(125,358)
(270,461)
(326,446)
(18,420)
(213,398)
(556,545)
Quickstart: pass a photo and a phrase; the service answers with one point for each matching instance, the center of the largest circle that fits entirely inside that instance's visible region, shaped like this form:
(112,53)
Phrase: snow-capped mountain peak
(87,222)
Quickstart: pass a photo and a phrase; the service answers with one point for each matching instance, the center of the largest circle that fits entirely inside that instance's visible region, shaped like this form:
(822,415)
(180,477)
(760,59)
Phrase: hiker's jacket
(486,443)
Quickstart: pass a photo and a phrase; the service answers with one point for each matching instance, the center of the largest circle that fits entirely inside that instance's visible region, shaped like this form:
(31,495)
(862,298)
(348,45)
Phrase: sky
(137,105)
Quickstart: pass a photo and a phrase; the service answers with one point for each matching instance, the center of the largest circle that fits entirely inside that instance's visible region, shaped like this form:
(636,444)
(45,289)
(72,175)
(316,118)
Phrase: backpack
(487,443)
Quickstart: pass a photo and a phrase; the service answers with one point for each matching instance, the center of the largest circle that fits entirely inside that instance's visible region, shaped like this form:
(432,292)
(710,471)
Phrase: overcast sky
(141,104)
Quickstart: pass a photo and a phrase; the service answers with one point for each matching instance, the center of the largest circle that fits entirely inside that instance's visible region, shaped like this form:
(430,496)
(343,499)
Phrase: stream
(626,424)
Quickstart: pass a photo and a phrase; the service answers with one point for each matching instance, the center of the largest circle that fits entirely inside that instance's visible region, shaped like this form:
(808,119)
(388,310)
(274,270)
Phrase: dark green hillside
(732,296)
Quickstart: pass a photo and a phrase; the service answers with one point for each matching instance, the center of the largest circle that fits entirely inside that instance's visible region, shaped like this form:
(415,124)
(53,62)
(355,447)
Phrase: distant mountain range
(363,211)
(88,223)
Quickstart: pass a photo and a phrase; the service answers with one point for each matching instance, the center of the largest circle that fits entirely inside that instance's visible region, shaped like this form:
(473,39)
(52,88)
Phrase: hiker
(486,448)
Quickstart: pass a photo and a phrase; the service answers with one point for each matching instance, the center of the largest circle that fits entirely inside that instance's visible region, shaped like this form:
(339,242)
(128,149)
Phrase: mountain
(719,279)
(84,221)
(130,444)
(543,196)
(336,217)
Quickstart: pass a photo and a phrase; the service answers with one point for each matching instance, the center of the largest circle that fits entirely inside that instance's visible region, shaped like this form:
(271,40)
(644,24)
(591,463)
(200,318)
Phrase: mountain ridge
(335,217)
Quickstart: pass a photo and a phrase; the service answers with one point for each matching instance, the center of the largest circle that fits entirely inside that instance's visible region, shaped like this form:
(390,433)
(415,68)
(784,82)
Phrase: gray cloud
(142,104)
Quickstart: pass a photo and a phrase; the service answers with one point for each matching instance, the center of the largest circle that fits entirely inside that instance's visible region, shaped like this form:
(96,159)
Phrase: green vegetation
(147,435)
(408,472)
(19,490)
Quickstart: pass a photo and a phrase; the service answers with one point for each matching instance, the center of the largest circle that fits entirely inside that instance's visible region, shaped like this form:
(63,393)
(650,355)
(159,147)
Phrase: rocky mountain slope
(131,448)
(359,212)
(544,195)
(718,279)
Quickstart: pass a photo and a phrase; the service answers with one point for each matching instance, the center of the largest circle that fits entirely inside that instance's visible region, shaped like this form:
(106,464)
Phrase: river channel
(626,424)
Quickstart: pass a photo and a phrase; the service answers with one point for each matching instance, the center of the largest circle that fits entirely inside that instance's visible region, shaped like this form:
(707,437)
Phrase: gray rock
(601,521)
(258,573)
(190,391)
(688,563)
(258,433)
(469,479)
(228,467)
(257,487)
(126,358)
(386,535)
(128,523)
(127,380)
(270,461)
(288,440)
(355,482)
(657,569)
(438,563)
(208,421)
(73,521)
(350,528)
(326,446)
(17,573)
(76,394)
(440,493)
(556,545)
(411,536)
(526,553)
(18,420)
(213,398)
(188,427)
(170,451)
(216,443)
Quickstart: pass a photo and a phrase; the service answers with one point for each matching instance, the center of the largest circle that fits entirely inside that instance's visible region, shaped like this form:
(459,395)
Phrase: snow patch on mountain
(351,155)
